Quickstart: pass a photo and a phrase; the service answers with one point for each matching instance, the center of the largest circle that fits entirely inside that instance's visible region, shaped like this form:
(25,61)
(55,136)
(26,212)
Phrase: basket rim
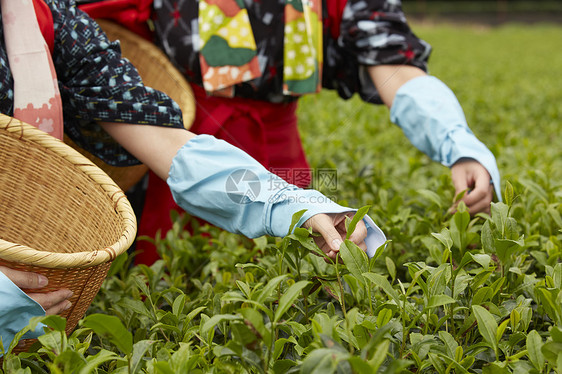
(18,253)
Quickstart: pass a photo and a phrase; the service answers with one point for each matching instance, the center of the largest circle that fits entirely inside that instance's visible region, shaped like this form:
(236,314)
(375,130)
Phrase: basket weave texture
(157,72)
(60,215)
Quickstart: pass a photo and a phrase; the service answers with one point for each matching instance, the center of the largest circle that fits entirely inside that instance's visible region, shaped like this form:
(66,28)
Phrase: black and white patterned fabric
(96,84)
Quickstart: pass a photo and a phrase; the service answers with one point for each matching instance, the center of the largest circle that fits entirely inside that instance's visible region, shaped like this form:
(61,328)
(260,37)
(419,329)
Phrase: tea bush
(448,293)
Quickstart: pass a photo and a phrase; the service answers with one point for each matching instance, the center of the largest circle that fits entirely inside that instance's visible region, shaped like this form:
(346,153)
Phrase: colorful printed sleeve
(371,32)
(376,31)
(97,84)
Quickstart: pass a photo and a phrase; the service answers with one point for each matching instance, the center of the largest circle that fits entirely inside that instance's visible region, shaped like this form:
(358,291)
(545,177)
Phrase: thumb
(324,225)
(24,279)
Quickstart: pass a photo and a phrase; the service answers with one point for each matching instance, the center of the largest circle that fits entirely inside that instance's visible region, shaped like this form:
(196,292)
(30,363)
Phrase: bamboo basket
(60,215)
(157,72)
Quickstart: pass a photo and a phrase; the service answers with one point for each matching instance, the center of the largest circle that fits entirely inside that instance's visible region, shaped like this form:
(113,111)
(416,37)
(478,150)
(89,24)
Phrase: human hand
(53,302)
(470,174)
(332,228)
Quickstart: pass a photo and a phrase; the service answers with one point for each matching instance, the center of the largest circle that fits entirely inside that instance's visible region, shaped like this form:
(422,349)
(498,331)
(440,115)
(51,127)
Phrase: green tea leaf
(383,317)
(552,351)
(359,365)
(269,287)
(216,319)
(482,259)
(283,366)
(501,330)
(440,300)
(112,328)
(288,298)
(451,344)
(534,344)
(355,259)
(487,325)
(178,305)
(322,361)
(508,193)
(95,361)
(358,216)
(431,196)
(295,219)
(52,341)
(380,281)
(55,322)
(444,237)
(139,350)
(459,224)
(390,266)
(556,334)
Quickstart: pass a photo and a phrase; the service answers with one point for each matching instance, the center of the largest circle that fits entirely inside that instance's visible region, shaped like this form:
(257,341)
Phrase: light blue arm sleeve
(431,117)
(16,309)
(223,185)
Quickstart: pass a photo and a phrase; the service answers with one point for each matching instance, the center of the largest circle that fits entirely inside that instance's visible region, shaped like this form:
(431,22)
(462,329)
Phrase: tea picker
(61,216)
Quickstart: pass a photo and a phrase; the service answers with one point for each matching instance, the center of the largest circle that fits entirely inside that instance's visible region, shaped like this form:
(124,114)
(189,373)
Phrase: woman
(108,111)
(250,61)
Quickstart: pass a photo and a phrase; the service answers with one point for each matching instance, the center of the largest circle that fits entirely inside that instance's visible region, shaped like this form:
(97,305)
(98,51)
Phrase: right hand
(53,302)
(332,228)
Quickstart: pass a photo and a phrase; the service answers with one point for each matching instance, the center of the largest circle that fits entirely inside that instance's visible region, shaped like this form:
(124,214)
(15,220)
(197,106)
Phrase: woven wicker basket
(60,215)
(157,72)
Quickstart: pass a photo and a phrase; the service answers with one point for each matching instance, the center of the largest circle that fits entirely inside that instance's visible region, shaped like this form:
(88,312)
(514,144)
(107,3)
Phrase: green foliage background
(450,293)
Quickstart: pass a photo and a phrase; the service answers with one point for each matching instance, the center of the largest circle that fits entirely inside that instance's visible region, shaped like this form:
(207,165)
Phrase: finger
(324,225)
(25,279)
(480,191)
(51,299)
(59,308)
(460,183)
(482,205)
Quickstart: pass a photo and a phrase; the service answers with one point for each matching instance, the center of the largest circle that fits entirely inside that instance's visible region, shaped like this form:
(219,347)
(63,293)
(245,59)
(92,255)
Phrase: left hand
(471,175)
(53,302)
(332,228)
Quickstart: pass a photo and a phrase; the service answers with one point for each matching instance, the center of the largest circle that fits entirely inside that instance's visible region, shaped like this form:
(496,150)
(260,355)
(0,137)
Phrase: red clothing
(46,23)
(132,14)
(266,131)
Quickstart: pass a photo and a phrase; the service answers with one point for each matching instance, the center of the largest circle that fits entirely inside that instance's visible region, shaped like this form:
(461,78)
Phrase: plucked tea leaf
(295,219)
(358,216)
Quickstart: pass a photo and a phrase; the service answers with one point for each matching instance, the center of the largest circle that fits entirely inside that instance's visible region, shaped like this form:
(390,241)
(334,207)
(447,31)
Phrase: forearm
(154,146)
(431,117)
(220,183)
(389,78)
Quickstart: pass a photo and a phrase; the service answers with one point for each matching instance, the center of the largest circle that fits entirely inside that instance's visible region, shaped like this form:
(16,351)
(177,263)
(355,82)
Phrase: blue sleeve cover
(16,309)
(223,185)
(432,119)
